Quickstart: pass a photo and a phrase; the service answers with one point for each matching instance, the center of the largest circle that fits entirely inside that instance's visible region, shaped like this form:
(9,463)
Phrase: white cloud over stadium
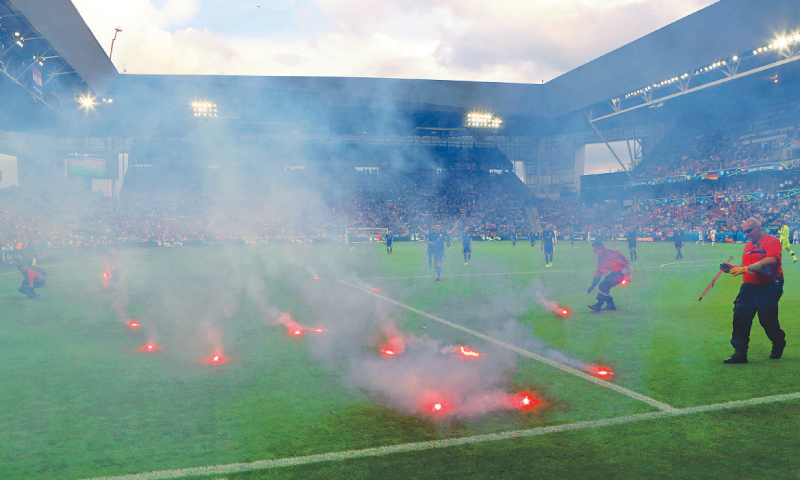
(508,41)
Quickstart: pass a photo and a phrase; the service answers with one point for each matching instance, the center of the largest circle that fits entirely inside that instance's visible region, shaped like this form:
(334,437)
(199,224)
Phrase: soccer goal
(362,235)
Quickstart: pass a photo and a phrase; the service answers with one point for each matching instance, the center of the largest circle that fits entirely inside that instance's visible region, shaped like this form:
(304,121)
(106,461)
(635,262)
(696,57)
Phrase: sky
(521,41)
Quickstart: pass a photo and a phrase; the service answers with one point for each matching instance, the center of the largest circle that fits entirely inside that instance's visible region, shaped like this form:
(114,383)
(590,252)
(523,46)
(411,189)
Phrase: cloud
(512,41)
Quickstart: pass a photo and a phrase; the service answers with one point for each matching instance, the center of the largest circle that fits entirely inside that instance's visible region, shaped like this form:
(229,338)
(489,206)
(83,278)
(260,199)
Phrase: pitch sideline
(434,444)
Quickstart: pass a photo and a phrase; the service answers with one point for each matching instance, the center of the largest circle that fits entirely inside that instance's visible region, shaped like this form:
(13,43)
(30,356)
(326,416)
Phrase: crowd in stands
(720,151)
(156,208)
(175,205)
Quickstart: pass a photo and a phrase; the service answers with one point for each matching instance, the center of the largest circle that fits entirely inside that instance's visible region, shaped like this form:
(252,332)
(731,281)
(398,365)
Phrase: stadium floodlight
(203,108)
(483,120)
(87,102)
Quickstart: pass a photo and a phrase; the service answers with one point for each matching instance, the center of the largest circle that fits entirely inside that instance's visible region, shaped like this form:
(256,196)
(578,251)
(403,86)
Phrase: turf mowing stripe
(552,363)
(434,444)
(682,265)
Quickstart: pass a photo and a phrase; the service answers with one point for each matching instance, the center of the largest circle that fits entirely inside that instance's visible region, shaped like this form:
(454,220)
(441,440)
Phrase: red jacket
(611,260)
(768,246)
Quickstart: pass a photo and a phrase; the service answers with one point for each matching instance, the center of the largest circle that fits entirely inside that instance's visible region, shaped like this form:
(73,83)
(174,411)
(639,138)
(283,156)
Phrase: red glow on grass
(524,401)
(468,353)
(564,312)
(316,278)
(377,289)
(602,372)
(435,403)
(318,330)
(150,347)
(216,359)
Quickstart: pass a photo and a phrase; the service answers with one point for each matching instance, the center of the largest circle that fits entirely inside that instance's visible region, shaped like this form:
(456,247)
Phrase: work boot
(777,350)
(737,357)
(610,304)
(599,305)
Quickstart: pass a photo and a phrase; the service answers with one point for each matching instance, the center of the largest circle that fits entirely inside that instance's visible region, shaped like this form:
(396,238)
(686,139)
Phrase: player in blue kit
(513,238)
(436,240)
(427,234)
(466,245)
(548,245)
(389,240)
(532,238)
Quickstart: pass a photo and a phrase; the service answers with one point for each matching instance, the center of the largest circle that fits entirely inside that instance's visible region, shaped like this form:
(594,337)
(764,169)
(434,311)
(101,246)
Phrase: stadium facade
(63,97)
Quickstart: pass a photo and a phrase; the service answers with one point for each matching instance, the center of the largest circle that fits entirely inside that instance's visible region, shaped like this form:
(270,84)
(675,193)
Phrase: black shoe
(596,307)
(736,358)
(777,351)
(610,306)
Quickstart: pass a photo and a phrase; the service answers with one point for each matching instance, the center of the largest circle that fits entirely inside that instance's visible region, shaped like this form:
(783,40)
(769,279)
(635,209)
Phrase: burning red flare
(624,282)
(388,352)
(468,353)
(133,324)
(150,347)
(318,330)
(437,407)
(216,359)
(602,372)
(316,278)
(524,401)
(564,312)
(377,289)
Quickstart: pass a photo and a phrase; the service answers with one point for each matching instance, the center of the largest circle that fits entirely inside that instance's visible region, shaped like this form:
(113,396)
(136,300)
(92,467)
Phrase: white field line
(545,360)
(500,274)
(434,444)
(51,266)
(687,261)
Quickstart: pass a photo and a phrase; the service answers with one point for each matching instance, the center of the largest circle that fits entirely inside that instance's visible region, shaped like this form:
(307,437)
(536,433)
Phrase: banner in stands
(741,197)
(717,174)
(793,193)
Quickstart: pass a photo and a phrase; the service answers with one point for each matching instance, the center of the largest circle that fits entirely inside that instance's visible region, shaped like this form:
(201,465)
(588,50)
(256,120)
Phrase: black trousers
(761,300)
(611,280)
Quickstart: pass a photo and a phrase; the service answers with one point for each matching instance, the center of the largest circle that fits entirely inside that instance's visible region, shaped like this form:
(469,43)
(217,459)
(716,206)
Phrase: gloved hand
(594,283)
(736,271)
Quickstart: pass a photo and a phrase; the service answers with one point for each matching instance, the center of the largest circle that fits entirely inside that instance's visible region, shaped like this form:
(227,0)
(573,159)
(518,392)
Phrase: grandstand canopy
(718,31)
(49,51)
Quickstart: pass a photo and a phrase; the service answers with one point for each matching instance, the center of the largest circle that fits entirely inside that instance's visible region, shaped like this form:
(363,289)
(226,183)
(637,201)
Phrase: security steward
(617,270)
(762,289)
(32,277)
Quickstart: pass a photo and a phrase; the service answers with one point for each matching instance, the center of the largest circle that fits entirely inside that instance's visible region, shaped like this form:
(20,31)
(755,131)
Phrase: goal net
(362,235)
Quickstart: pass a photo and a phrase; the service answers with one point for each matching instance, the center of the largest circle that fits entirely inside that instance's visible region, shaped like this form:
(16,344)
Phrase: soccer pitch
(83,397)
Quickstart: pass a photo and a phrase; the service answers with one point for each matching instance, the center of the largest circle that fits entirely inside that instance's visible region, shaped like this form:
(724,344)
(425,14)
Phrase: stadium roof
(718,31)
(51,38)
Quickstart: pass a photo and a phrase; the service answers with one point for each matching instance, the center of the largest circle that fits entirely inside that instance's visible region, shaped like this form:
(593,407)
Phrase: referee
(762,289)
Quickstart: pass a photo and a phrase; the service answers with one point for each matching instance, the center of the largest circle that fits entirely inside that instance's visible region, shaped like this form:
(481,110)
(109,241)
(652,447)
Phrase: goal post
(363,235)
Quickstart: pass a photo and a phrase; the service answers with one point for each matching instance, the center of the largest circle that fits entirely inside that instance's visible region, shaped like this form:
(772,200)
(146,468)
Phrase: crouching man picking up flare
(32,277)
(617,270)
(762,289)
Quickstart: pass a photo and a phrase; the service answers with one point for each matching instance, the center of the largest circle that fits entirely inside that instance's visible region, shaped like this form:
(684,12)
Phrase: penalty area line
(564,368)
(451,442)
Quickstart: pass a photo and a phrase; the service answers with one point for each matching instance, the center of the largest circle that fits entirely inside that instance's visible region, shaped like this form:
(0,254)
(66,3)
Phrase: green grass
(81,400)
